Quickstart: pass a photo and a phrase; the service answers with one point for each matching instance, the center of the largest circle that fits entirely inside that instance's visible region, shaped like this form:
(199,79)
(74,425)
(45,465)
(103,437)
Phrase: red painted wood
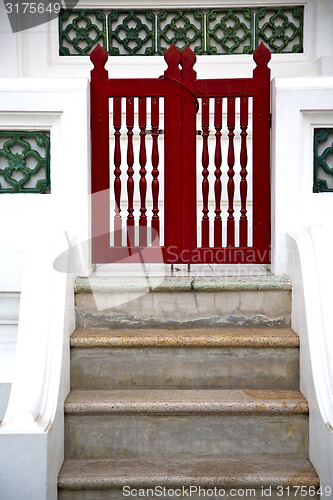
(100,176)
(130,170)
(172,156)
(101,89)
(231,173)
(228,87)
(146,87)
(143,171)
(223,255)
(117,171)
(218,172)
(261,154)
(155,171)
(243,161)
(205,173)
(180,90)
(188,164)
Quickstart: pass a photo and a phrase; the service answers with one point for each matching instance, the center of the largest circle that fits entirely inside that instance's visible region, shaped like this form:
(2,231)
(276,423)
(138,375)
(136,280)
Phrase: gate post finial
(261,57)
(99,57)
(188,60)
(173,58)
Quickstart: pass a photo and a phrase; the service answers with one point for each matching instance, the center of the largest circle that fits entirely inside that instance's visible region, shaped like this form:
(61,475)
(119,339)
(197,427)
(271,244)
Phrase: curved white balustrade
(32,430)
(310,268)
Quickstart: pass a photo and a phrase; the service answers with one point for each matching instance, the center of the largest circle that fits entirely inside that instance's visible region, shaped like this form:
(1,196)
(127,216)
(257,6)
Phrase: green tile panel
(280,28)
(180,27)
(323,160)
(24,162)
(230,31)
(131,32)
(80,31)
(221,31)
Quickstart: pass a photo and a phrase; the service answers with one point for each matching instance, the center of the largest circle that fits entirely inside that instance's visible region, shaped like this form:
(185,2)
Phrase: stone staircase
(188,387)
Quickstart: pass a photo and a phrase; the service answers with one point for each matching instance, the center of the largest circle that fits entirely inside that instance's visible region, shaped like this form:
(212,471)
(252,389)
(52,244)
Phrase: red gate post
(100,176)
(261,155)
(172,159)
(189,111)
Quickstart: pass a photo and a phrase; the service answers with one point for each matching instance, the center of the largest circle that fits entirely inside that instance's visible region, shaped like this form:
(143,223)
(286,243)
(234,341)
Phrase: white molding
(153,4)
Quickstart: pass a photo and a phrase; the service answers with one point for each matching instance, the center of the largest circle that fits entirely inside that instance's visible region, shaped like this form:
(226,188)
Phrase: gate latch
(184,87)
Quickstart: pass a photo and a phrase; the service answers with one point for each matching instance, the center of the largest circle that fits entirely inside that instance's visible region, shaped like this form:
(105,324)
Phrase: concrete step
(185,358)
(140,302)
(240,478)
(178,423)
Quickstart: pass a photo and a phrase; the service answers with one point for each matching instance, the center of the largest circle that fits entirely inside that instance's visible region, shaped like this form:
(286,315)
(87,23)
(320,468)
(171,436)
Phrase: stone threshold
(181,270)
(180,283)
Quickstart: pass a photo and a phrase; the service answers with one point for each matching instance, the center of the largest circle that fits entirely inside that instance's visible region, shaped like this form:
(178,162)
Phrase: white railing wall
(43,227)
(302,245)
(10,290)
(312,279)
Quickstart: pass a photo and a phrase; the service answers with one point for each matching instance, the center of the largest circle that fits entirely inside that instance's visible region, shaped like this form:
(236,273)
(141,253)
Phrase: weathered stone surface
(106,302)
(220,358)
(180,361)
(186,402)
(124,424)
(185,368)
(239,308)
(186,337)
(105,479)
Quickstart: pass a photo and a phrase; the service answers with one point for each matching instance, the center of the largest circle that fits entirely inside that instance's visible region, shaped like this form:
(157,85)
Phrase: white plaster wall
(298,106)
(324,37)
(61,105)
(41,227)
(36,55)
(34,52)
(302,242)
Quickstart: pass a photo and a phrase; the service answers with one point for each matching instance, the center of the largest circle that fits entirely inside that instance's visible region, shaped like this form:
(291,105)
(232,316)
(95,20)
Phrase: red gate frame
(180,88)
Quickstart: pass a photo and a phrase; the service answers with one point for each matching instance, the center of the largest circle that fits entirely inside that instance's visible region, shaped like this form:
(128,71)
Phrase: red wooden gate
(172,102)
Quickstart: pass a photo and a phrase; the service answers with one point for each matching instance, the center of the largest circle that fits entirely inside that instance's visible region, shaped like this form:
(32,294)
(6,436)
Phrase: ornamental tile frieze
(131,32)
(230,31)
(24,162)
(80,31)
(281,29)
(323,160)
(146,32)
(181,28)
